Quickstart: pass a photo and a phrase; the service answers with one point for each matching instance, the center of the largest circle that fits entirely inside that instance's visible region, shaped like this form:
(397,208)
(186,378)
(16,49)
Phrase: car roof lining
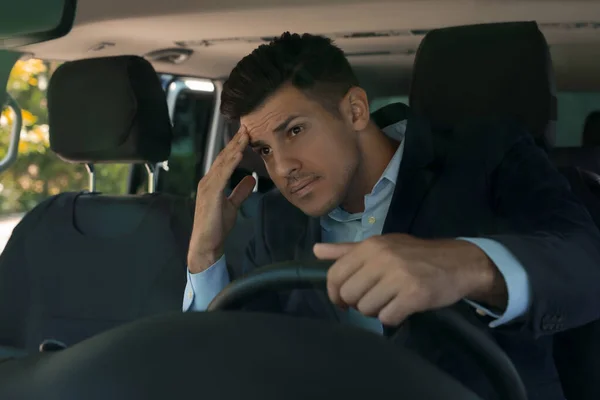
(379,36)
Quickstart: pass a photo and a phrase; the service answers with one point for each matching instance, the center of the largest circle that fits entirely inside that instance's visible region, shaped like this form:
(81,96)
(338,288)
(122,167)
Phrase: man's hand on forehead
(216,214)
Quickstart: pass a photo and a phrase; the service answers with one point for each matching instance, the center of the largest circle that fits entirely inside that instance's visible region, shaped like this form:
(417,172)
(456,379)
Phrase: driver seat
(83,262)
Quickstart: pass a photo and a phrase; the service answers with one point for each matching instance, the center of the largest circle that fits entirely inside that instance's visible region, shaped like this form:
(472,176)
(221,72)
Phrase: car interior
(95,311)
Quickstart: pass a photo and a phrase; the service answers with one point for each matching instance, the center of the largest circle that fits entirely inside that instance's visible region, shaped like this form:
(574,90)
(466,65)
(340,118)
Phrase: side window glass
(381,102)
(573,109)
(192,114)
(38,172)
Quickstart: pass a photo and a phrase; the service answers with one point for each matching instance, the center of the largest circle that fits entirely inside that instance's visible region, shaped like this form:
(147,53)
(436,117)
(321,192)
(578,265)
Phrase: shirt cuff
(201,288)
(515,276)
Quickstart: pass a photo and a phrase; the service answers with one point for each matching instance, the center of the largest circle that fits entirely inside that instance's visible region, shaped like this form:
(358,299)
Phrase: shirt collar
(397,132)
(390,174)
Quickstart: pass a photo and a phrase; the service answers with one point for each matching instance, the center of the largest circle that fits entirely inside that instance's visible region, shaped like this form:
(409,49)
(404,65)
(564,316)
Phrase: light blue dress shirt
(340,226)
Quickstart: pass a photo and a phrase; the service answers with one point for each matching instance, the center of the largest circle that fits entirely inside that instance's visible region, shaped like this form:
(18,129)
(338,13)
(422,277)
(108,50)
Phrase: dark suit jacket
(483,180)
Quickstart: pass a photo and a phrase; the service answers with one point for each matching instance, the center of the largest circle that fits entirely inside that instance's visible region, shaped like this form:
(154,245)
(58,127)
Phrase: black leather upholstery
(80,263)
(503,70)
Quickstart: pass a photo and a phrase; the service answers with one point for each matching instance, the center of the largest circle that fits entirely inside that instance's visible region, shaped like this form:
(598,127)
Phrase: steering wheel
(294,275)
(252,356)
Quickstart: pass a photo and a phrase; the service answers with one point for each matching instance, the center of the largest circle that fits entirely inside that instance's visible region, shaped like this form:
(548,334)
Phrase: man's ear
(355,107)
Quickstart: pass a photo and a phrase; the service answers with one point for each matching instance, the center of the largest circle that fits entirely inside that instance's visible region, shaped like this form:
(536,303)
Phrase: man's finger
(360,284)
(395,312)
(227,162)
(242,191)
(339,272)
(343,269)
(237,139)
(376,297)
(235,145)
(332,251)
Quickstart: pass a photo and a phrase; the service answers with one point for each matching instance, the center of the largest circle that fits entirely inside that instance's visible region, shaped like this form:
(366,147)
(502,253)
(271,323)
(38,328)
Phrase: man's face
(310,154)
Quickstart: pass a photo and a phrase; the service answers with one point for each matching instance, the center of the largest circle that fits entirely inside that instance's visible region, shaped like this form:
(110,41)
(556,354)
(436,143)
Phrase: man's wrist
(201,262)
(489,286)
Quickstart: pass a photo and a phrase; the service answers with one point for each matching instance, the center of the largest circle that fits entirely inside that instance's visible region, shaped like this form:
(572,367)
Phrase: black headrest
(109,109)
(591,131)
(500,70)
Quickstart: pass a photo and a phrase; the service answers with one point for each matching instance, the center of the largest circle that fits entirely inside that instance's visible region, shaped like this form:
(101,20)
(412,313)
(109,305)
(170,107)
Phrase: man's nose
(286,164)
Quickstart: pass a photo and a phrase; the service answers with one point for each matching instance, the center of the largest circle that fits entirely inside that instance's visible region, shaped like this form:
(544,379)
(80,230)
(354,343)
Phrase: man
(414,220)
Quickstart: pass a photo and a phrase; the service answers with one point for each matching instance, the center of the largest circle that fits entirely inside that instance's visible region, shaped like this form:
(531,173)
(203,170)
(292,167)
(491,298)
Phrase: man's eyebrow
(257,144)
(281,127)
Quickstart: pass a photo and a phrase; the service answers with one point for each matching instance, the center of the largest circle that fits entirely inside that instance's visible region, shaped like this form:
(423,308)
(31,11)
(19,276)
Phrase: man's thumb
(242,191)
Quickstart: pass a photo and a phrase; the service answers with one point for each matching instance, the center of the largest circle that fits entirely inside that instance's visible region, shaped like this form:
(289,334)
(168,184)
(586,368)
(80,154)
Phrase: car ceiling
(380,37)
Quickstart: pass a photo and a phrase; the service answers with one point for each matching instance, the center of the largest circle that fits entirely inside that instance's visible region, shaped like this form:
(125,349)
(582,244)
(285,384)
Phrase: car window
(380,102)
(192,113)
(573,109)
(39,173)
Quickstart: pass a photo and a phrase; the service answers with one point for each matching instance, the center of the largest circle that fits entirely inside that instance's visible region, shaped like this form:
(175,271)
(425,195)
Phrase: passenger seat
(504,70)
(83,262)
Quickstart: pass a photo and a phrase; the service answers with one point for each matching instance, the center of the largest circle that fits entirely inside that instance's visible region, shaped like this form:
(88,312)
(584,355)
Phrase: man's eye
(264,151)
(296,130)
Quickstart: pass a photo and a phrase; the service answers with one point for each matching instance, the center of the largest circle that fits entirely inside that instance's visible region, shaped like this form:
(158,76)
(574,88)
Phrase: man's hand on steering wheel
(393,276)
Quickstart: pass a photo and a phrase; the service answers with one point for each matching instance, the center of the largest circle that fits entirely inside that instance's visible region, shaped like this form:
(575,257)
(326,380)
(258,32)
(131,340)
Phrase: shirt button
(372,220)
(190,294)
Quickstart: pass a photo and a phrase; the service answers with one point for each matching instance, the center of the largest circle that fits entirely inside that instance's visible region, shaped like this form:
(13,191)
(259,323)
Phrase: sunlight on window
(38,172)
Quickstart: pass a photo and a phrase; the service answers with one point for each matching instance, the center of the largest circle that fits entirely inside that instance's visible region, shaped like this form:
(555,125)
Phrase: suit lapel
(419,167)
(311,235)
(316,299)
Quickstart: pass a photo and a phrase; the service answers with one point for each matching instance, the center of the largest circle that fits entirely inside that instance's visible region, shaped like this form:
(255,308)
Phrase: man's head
(304,112)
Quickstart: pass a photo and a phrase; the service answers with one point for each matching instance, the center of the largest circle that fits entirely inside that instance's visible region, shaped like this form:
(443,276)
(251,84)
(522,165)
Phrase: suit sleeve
(258,255)
(552,235)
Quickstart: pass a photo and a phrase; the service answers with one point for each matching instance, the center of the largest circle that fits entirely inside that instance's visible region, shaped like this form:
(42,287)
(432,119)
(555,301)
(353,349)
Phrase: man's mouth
(303,186)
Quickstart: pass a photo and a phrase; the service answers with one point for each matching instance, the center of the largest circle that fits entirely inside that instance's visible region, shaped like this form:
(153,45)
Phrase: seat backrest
(81,263)
(497,71)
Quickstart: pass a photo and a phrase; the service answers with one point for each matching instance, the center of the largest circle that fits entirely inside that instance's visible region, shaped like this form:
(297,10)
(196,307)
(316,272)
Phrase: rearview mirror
(24,22)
